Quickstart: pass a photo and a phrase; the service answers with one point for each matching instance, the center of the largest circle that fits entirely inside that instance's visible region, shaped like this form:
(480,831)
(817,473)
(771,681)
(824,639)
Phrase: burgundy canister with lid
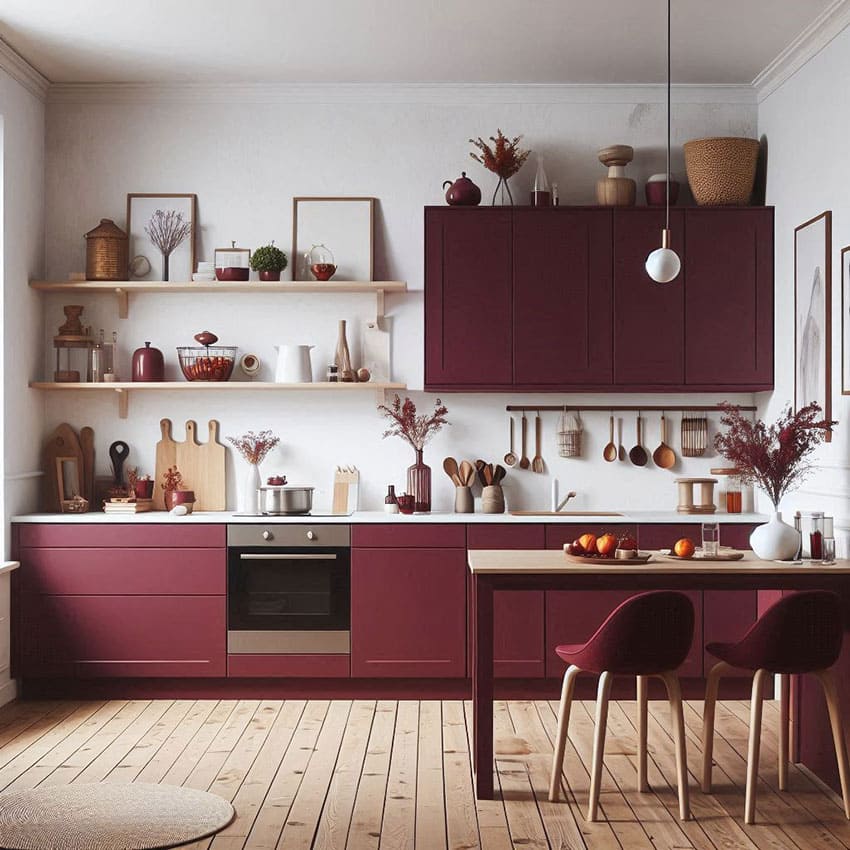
(148,364)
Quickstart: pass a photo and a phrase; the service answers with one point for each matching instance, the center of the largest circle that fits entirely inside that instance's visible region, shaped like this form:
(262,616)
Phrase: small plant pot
(493,500)
(405,503)
(180,497)
(268,275)
(143,489)
(464,503)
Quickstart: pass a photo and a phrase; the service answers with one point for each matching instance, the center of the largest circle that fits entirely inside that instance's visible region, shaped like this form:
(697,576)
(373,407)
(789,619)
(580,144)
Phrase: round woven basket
(721,171)
(106,252)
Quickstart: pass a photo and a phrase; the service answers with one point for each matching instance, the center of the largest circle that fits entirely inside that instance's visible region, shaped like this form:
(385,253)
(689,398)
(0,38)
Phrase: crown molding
(432,93)
(817,35)
(20,70)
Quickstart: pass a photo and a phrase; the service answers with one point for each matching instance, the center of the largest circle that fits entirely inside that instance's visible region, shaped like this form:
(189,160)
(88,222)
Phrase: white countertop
(377,517)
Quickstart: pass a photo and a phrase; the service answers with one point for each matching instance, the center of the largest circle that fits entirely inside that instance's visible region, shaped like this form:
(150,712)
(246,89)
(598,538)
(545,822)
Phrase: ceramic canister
(148,364)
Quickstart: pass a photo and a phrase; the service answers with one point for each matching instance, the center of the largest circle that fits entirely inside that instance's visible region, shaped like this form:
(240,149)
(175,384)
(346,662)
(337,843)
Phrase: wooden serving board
(642,558)
(62,443)
(698,556)
(87,446)
(202,467)
(166,456)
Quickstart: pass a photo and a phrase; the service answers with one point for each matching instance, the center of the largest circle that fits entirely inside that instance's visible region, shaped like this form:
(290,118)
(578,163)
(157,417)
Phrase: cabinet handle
(310,535)
(284,556)
(267,535)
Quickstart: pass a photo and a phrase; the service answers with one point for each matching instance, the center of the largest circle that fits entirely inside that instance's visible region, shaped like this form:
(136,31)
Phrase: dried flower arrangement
(504,159)
(173,479)
(772,457)
(416,430)
(254,447)
(167,230)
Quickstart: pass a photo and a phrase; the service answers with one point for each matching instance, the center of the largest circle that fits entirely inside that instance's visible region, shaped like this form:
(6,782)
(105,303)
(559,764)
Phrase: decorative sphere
(663,265)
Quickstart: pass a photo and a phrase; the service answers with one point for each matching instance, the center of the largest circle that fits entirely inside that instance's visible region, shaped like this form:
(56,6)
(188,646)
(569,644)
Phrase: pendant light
(663,264)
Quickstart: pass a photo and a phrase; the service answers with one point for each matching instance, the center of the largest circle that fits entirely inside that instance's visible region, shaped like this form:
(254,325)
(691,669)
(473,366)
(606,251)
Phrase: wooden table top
(554,561)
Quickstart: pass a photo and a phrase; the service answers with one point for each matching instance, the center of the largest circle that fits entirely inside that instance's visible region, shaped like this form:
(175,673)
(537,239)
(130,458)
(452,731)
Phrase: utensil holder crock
(464,503)
(493,500)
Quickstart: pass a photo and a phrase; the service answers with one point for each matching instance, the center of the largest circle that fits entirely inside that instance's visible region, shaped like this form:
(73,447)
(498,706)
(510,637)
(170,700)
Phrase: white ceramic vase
(249,498)
(775,540)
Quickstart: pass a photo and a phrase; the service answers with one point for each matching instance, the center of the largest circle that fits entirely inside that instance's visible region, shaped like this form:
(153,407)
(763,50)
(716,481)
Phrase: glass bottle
(828,541)
(391,501)
(540,195)
(97,360)
(342,358)
(734,495)
(816,537)
(419,484)
(798,527)
(556,196)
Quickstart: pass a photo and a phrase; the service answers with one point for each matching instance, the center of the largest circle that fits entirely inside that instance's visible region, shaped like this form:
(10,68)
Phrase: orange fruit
(684,548)
(588,543)
(606,544)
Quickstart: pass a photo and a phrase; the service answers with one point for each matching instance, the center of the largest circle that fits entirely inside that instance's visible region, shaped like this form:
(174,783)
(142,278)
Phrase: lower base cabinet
(408,613)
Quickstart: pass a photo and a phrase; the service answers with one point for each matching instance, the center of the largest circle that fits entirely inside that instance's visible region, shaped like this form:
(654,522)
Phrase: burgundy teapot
(463,192)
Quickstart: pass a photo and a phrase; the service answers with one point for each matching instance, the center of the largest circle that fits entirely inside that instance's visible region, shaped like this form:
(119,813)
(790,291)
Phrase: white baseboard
(8,691)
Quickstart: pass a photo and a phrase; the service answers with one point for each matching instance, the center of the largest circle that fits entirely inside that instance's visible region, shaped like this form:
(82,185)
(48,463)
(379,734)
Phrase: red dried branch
(504,159)
(173,479)
(167,230)
(416,430)
(772,457)
(254,447)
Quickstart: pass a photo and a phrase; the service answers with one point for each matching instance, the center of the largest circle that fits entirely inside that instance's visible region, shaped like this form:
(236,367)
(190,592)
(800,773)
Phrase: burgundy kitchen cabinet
(519,648)
(649,334)
(562,297)
(408,612)
(468,273)
(729,298)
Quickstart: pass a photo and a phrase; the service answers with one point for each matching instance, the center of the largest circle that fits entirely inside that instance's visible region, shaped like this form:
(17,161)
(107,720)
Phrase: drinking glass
(710,539)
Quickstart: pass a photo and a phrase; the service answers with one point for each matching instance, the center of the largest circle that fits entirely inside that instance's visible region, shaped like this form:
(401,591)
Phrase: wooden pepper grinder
(616,190)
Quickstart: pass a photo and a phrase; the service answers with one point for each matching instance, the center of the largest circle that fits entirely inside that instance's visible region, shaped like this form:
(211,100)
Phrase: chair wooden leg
(830,691)
(602,696)
(754,746)
(642,682)
(712,683)
(563,727)
(677,718)
(784,727)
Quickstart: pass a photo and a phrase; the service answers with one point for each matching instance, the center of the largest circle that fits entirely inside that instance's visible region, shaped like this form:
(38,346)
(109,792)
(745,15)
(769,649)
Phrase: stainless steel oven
(288,589)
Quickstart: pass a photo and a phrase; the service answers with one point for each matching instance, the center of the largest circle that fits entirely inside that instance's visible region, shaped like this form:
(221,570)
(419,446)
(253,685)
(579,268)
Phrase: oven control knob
(310,535)
(267,535)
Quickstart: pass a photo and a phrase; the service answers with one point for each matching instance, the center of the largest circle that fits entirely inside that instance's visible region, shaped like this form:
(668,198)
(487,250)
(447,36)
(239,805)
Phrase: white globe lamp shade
(663,265)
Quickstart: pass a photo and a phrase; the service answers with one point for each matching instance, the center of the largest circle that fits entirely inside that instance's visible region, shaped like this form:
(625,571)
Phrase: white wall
(246,152)
(807,122)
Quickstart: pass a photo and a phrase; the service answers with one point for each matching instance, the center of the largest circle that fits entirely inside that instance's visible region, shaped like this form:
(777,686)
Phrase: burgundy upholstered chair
(800,633)
(647,635)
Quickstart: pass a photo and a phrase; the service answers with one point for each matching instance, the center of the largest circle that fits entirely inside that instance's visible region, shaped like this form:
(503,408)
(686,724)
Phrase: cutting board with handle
(202,467)
(166,456)
(87,446)
(62,444)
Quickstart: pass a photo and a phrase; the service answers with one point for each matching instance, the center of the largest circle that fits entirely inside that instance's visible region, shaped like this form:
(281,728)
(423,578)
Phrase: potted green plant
(269,261)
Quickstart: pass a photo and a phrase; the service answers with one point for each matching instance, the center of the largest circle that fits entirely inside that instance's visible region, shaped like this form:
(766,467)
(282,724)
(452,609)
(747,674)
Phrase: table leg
(482,687)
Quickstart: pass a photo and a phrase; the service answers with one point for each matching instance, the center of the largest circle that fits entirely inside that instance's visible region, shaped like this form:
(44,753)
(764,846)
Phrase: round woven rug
(109,817)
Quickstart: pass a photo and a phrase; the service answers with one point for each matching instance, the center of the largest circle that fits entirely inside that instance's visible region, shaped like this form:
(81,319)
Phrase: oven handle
(310,556)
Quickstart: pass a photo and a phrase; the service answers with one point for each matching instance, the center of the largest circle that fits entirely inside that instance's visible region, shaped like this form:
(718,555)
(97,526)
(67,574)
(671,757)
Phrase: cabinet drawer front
(132,636)
(124,572)
(558,535)
(289,666)
(505,536)
(426,536)
(120,536)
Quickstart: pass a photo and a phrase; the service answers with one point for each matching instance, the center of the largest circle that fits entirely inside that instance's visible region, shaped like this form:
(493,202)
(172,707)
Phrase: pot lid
(106,229)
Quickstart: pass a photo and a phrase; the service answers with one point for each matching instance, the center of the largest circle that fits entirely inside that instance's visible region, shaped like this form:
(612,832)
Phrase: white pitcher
(293,364)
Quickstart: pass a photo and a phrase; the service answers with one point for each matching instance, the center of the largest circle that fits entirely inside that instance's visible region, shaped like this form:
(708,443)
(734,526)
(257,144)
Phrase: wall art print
(812,313)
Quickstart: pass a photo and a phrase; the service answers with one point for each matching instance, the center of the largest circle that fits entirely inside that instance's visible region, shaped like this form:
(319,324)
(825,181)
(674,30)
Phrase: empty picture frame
(812,314)
(141,209)
(345,226)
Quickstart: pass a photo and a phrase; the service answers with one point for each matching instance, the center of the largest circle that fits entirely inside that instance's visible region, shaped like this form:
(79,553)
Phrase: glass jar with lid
(731,490)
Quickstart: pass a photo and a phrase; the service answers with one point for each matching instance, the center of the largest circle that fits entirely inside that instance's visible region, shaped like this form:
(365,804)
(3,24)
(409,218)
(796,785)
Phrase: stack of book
(125,506)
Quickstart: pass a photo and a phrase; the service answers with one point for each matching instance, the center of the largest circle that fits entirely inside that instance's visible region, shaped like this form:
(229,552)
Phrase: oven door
(294,601)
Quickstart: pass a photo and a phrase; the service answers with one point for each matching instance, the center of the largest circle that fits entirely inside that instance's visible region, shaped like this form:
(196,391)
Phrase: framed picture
(344,226)
(812,309)
(845,320)
(161,229)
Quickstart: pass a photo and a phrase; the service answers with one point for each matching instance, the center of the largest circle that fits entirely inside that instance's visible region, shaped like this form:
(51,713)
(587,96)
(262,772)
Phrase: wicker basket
(106,252)
(721,171)
(570,430)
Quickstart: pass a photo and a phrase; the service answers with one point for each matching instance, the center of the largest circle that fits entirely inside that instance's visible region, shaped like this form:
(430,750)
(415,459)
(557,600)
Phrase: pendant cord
(668,116)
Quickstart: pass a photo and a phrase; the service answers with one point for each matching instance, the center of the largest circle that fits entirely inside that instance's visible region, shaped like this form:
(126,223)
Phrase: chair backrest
(799,633)
(648,633)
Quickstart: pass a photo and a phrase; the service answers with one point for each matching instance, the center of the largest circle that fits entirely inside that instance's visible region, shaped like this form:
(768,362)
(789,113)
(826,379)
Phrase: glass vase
(504,193)
(419,484)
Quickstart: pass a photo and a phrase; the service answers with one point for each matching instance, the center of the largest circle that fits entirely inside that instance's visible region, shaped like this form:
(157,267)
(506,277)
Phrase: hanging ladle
(638,455)
(664,457)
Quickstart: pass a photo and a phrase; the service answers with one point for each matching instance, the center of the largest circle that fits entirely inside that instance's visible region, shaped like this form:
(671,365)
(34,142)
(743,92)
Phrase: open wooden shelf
(124,288)
(123,389)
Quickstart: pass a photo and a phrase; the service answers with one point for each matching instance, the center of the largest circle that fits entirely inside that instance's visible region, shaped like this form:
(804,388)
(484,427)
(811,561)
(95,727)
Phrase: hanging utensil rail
(624,408)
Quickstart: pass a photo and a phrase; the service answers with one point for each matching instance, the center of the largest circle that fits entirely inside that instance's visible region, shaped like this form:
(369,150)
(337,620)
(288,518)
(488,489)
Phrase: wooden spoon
(537,464)
(664,457)
(610,451)
(450,468)
(524,462)
(467,473)
(511,458)
(479,465)
(499,474)
(621,451)
(638,455)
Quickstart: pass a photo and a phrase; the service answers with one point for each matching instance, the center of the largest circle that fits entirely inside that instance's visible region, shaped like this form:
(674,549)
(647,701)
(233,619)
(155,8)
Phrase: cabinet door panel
(468,285)
(649,337)
(729,297)
(562,297)
(132,636)
(408,613)
(95,534)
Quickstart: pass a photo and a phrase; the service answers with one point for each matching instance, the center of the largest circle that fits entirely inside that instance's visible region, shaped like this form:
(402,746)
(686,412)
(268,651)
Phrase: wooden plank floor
(395,775)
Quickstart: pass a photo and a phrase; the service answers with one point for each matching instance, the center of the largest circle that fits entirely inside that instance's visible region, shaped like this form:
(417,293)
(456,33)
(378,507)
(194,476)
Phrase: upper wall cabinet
(558,300)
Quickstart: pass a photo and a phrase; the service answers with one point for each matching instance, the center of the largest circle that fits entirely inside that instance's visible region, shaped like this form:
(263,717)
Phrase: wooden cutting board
(202,467)
(87,446)
(166,455)
(62,443)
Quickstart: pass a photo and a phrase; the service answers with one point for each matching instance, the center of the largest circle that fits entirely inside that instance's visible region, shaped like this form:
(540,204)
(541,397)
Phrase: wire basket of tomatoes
(207,362)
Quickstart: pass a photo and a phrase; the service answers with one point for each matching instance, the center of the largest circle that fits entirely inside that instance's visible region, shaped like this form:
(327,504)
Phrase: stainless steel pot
(286,501)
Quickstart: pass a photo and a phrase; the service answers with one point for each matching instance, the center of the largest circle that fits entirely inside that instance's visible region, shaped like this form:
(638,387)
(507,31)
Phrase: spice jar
(730,495)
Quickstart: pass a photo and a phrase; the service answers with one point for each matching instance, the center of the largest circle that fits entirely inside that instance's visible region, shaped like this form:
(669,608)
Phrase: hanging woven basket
(570,431)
